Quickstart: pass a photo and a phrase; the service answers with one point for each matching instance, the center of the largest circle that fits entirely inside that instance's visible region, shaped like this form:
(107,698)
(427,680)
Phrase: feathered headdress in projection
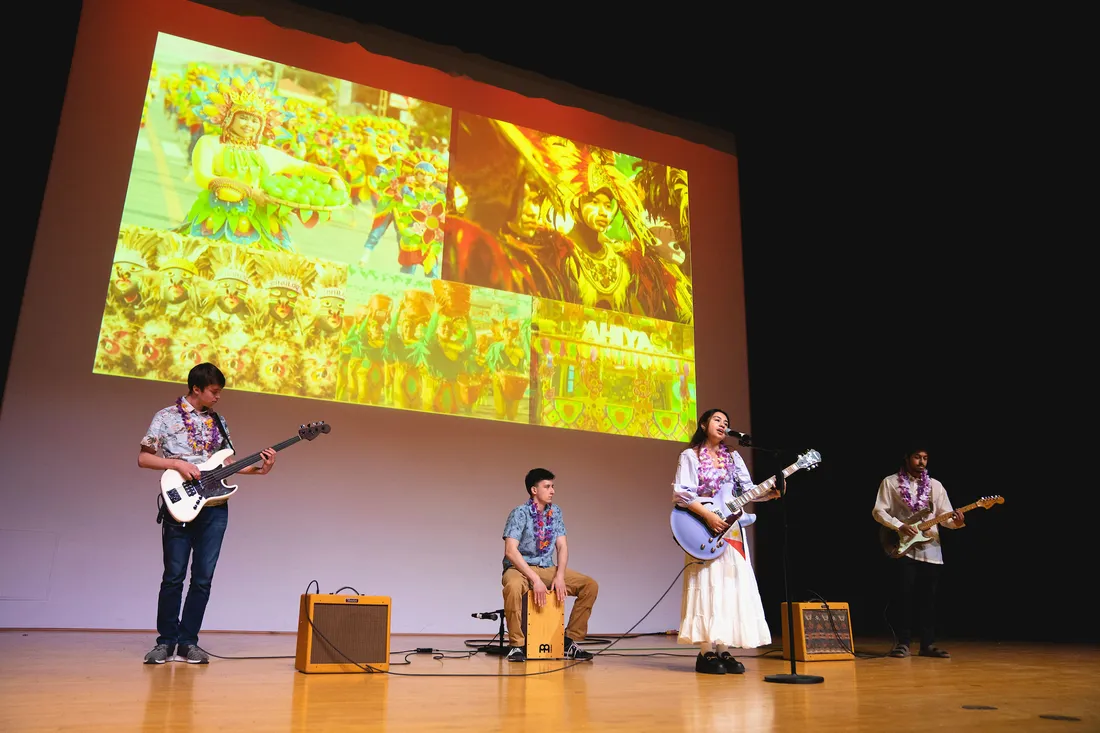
(136,246)
(284,270)
(570,173)
(180,253)
(331,281)
(234,93)
(231,262)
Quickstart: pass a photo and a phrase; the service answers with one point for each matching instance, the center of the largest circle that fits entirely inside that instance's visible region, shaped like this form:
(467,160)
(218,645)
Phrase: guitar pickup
(174,495)
(190,489)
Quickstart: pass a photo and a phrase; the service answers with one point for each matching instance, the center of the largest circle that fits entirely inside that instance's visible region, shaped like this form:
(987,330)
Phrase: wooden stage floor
(95,681)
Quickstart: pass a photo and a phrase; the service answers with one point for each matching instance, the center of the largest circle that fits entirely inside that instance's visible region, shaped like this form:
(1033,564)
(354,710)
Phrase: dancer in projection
(241,176)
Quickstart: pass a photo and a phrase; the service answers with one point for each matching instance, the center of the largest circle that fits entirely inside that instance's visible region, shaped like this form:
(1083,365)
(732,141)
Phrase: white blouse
(686,486)
(891,511)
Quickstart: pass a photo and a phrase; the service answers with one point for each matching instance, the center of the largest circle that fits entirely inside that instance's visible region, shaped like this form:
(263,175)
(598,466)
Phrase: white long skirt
(722,604)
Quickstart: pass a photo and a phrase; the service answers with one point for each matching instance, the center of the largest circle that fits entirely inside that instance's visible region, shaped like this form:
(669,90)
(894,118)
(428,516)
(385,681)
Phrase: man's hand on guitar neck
(269,461)
(268,455)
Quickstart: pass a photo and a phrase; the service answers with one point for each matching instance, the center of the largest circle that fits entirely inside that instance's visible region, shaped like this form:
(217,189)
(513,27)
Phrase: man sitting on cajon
(534,530)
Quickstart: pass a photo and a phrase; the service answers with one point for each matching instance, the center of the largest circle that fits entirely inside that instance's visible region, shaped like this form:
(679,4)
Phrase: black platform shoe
(709,663)
(732,665)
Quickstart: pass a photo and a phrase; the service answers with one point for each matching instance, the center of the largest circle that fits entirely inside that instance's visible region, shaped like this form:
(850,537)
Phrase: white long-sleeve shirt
(685,489)
(891,511)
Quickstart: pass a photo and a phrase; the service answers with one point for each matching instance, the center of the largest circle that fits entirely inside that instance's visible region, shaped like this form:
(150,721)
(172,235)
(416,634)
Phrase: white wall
(393,503)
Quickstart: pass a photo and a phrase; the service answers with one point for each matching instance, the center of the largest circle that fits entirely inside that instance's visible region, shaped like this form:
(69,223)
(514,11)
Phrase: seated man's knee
(515,589)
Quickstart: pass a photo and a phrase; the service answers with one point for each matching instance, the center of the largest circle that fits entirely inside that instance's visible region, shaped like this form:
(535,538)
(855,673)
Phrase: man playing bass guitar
(180,437)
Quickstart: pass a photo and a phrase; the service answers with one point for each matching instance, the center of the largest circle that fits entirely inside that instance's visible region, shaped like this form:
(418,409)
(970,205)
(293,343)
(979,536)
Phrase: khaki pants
(576,584)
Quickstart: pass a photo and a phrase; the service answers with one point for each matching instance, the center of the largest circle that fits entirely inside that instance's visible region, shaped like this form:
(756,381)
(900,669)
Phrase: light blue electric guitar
(696,538)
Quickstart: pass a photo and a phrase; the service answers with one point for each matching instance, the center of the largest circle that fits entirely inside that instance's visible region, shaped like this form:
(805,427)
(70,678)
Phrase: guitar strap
(225,432)
(162,513)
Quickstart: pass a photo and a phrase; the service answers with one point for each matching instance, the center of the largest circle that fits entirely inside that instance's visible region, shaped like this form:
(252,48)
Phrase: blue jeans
(201,542)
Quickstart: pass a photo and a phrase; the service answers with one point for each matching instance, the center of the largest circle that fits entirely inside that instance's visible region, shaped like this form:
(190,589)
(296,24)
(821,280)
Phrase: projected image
(435,346)
(610,372)
(546,216)
(318,238)
(271,320)
(252,152)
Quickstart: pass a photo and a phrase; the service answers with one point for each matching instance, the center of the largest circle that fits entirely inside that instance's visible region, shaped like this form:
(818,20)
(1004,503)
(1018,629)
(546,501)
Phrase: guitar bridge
(174,495)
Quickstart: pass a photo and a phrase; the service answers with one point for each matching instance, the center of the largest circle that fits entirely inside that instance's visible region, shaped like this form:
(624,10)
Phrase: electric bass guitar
(694,536)
(184,498)
(896,545)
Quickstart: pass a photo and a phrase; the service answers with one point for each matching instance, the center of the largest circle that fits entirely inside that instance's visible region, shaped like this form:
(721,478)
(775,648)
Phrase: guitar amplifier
(343,634)
(822,632)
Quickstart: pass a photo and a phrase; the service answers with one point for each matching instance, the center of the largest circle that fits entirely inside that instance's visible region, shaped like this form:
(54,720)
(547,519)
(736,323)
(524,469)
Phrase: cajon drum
(544,628)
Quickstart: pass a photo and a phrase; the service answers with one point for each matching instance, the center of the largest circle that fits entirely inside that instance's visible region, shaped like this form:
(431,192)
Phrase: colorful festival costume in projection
(449,349)
(412,195)
(362,375)
(251,189)
(531,249)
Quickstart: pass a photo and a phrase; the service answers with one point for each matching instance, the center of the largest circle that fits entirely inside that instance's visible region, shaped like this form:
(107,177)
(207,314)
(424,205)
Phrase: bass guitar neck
(185,498)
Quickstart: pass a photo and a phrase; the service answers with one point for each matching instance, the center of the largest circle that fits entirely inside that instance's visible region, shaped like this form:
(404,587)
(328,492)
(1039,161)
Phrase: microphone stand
(794,678)
(502,649)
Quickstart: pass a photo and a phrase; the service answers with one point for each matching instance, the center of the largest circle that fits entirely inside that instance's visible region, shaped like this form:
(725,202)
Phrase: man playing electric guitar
(903,498)
(179,438)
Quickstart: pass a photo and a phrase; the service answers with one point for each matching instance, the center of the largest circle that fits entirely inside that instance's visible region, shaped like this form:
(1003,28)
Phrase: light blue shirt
(521,527)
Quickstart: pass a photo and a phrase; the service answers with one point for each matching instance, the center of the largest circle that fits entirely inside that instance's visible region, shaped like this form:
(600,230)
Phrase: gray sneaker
(159,654)
(191,655)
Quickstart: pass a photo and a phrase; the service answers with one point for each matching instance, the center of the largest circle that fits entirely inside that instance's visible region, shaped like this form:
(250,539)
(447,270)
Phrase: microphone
(739,435)
(489,616)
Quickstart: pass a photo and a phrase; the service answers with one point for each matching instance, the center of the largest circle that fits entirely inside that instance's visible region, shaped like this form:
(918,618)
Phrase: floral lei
(193,436)
(543,528)
(712,474)
(924,490)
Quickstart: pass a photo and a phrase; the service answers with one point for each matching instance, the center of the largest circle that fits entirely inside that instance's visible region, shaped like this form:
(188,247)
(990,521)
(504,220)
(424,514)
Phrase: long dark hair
(700,436)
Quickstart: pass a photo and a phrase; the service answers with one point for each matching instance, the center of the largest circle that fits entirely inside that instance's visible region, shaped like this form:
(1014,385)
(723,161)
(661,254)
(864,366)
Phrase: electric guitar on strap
(694,536)
(896,545)
(184,499)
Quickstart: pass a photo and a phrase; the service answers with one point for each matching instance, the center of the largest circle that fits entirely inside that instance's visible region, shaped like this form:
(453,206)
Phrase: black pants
(914,601)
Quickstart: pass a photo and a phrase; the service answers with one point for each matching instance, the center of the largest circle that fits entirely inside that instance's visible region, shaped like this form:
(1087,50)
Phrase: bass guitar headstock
(311,431)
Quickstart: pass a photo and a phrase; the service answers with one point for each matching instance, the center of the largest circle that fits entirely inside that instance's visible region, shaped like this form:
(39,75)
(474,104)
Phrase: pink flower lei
(712,474)
(193,437)
(924,490)
(543,526)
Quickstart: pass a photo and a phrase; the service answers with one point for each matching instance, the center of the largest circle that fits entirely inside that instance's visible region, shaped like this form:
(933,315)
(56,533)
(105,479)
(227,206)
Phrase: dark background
(891,272)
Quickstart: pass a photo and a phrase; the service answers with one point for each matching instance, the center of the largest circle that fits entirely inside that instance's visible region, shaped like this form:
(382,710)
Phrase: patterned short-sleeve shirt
(520,526)
(168,433)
